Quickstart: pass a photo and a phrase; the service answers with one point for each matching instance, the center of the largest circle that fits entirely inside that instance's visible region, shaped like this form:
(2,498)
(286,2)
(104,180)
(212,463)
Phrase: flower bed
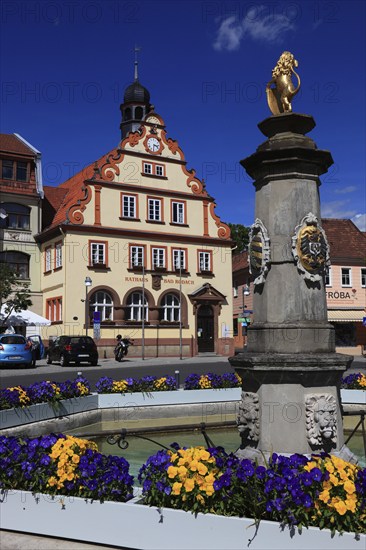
(324,491)
(63,465)
(191,493)
(355,381)
(212,381)
(43,392)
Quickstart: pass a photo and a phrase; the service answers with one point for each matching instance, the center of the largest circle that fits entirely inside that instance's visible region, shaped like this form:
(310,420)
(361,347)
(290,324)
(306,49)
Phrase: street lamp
(88,282)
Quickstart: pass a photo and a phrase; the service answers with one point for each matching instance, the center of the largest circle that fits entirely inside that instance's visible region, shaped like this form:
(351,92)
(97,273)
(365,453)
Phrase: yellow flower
(202,469)
(209,489)
(351,505)
(210,478)
(172,471)
(310,465)
(341,507)
(182,472)
(189,484)
(203,454)
(324,496)
(333,480)
(200,499)
(193,465)
(176,488)
(349,487)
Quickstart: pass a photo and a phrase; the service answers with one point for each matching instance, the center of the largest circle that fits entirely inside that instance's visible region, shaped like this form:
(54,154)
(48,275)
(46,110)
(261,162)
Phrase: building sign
(178,281)
(338,295)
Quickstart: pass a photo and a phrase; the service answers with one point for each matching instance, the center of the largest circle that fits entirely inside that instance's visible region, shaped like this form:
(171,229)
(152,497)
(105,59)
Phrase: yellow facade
(143,228)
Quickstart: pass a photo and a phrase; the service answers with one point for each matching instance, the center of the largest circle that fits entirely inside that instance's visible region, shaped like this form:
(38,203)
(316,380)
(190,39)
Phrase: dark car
(72,349)
(15,350)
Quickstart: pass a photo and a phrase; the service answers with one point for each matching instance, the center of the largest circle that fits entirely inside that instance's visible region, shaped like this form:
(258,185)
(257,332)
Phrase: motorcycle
(121,349)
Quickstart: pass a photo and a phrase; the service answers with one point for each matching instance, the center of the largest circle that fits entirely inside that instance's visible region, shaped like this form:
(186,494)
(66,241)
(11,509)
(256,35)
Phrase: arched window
(139,113)
(134,303)
(17,261)
(101,301)
(170,308)
(127,114)
(14,216)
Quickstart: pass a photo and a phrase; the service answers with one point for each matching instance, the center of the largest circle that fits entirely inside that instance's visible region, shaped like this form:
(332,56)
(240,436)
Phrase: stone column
(291,373)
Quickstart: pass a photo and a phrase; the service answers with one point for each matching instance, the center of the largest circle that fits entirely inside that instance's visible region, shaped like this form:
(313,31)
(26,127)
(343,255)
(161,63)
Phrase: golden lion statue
(279,98)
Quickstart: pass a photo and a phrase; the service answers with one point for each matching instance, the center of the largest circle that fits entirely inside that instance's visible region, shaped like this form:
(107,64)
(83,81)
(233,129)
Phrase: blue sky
(65,64)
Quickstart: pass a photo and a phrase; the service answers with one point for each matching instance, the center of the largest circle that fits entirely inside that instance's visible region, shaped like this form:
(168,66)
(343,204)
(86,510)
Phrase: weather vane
(280,96)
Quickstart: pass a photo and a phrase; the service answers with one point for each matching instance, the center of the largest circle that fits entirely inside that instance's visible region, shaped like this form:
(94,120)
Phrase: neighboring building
(345,287)
(242,299)
(20,215)
(143,228)
(346,284)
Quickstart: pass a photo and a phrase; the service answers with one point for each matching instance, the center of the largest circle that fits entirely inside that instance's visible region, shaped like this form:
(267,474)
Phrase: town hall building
(132,245)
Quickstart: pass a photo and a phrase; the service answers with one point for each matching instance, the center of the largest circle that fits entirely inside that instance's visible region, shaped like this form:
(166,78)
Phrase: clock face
(153,144)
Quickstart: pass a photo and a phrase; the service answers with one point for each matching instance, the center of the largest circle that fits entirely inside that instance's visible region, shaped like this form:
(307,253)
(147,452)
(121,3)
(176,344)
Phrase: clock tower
(136,104)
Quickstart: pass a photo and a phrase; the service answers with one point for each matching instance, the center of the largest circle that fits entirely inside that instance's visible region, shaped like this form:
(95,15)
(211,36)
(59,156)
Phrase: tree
(240,235)
(14,293)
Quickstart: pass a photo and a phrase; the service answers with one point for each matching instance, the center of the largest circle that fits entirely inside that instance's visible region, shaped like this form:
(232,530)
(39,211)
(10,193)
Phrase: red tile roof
(345,239)
(67,194)
(9,143)
(240,261)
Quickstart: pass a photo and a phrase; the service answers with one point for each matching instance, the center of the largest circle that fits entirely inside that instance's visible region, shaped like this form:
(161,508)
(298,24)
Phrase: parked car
(72,349)
(38,346)
(15,350)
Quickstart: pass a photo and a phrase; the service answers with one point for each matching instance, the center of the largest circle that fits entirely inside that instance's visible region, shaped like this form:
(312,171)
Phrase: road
(136,368)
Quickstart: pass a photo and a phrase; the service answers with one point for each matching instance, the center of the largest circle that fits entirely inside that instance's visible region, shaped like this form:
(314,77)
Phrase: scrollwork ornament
(310,248)
(259,252)
(321,420)
(248,417)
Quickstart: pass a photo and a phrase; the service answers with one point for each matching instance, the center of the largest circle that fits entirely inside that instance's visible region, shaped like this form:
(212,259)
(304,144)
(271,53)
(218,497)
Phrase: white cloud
(337,209)
(229,35)
(345,190)
(360,221)
(257,24)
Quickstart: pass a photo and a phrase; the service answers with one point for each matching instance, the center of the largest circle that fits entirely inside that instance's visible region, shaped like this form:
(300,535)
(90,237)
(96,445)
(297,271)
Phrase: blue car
(15,350)
(37,346)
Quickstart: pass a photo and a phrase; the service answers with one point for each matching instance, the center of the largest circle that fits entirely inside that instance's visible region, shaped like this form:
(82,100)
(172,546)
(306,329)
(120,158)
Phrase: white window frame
(346,285)
(178,212)
(363,277)
(328,275)
(104,306)
(137,256)
(154,210)
(158,257)
(159,167)
(204,261)
(148,168)
(129,206)
(58,255)
(171,308)
(178,256)
(136,307)
(48,259)
(97,253)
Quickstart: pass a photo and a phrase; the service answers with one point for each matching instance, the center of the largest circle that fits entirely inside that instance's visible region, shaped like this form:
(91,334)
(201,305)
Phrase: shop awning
(25,317)
(346,315)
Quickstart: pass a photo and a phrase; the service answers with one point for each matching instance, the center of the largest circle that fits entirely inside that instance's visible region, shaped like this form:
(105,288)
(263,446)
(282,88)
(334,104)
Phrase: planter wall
(45,411)
(10,418)
(179,397)
(354,396)
(132,525)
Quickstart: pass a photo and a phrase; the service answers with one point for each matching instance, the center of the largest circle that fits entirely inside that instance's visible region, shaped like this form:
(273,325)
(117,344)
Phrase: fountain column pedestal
(290,371)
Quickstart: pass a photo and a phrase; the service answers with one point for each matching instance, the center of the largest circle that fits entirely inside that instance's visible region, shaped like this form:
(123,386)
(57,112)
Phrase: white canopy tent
(25,318)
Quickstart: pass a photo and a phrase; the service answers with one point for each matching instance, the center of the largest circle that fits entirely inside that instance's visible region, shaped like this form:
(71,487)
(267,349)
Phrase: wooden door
(205,329)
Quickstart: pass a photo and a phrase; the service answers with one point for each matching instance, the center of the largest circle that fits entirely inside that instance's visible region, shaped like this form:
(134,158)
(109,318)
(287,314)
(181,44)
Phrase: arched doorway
(205,329)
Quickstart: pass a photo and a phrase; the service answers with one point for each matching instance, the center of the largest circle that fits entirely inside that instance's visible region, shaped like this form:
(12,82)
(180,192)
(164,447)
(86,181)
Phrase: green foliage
(240,235)
(14,293)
